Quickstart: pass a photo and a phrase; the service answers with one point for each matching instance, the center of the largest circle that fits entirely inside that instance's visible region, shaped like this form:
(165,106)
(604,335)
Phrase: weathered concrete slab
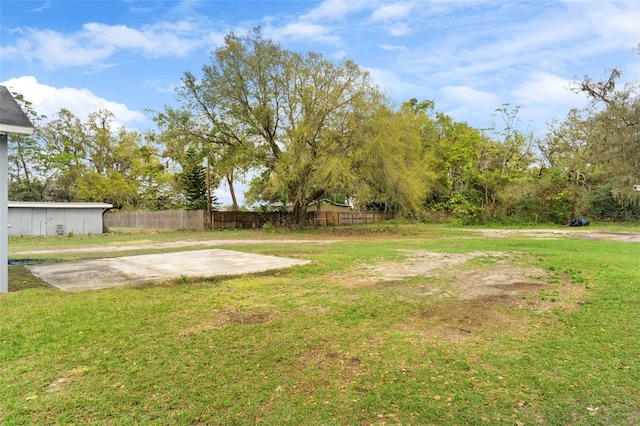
(104,273)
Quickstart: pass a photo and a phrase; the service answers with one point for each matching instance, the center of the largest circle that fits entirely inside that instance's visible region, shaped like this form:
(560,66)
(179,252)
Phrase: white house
(12,121)
(53,218)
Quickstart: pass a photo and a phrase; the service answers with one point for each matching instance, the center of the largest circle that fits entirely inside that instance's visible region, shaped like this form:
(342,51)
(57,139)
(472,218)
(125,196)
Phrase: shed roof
(58,205)
(12,118)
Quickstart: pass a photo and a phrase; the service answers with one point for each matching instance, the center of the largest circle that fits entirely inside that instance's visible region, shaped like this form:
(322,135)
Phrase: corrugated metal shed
(51,218)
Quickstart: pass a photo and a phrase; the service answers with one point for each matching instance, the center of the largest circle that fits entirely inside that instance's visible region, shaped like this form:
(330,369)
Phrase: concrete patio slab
(104,273)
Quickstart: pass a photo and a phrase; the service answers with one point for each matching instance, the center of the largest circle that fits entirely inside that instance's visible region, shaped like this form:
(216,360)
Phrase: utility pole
(209,208)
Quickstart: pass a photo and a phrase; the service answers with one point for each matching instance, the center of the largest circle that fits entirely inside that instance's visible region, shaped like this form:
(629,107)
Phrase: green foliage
(394,173)
(300,120)
(27,165)
(612,143)
(603,204)
(476,174)
(193,180)
(70,160)
(305,127)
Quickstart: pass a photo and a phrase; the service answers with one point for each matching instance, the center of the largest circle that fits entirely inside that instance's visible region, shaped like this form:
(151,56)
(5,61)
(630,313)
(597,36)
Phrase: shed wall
(54,221)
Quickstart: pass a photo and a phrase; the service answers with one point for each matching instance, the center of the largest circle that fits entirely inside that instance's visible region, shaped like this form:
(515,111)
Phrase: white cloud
(159,40)
(339,55)
(96,43)
(616,23)
(392,84)
(336,9)
(45,6)
(55,50)
(391,47)
(543,88)
(161,86)
(216,38)
(465,103)
(302,30)
(398,29)
(391,12)
(470,97)
(48,100)
(559,40)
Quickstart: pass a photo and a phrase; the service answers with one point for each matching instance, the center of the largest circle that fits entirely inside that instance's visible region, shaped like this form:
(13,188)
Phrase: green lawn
(386,325)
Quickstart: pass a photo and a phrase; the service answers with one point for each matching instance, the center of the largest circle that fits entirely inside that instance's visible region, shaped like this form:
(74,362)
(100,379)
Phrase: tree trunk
(300,213)
(300,207)
(232,191)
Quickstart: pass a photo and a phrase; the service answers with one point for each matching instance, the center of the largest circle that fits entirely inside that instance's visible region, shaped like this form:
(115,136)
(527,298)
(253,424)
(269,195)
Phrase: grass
(316,344)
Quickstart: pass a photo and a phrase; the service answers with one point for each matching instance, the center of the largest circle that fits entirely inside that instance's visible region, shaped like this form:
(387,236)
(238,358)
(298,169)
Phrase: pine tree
(194,181)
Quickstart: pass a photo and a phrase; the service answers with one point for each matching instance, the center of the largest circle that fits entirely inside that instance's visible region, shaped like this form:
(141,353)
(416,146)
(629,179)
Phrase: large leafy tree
(70,160)
(27,161)
(473,172)
(112,163)
(64,142)
(503,161)
(614,137)
(156,189)
(591,158)
(393,172)
(292,117)
(566,176)
(187,129)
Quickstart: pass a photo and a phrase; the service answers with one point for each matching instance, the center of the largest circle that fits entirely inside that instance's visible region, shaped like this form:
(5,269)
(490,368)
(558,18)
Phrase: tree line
(297,127)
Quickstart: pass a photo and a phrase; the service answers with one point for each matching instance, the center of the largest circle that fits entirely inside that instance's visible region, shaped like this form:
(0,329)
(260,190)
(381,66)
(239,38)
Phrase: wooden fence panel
(168,219)
(197,219)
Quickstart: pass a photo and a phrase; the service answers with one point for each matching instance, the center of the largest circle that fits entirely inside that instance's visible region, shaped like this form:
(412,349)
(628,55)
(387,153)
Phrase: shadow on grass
(212,280)
(20,278)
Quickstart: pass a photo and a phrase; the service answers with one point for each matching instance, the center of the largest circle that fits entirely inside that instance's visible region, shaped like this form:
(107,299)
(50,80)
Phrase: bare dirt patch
(463,295)
(584,233)
(224,317)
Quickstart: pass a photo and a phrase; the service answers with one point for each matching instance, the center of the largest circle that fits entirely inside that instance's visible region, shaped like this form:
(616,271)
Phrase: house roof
(324,200)
(58,205)
(12,118)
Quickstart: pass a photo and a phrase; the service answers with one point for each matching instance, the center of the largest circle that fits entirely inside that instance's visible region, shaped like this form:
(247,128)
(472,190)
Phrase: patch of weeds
(485,260)
(576,276)
(554,279)
(182,279)
(20,278)
(536,277)
(551,295)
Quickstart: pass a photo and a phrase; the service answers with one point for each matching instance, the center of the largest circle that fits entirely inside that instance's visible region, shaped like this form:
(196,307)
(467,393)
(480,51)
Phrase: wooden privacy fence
(167,219)
(197,219)
(244,220)
(349,218)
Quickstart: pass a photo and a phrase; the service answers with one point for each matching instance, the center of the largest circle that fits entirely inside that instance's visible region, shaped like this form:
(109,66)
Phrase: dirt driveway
(580,233)
(147,245)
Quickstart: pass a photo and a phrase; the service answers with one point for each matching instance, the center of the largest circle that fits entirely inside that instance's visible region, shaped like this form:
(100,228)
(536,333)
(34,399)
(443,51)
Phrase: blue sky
(470,57)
